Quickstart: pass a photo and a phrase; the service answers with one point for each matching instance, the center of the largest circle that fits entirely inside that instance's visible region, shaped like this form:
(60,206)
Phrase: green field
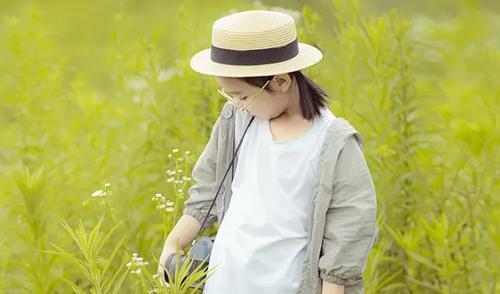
(101,113)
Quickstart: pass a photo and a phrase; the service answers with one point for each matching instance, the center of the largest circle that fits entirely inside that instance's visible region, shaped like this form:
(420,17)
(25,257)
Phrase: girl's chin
(262,117)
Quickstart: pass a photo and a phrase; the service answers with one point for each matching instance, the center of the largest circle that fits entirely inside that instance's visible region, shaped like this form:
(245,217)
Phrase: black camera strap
(223,178)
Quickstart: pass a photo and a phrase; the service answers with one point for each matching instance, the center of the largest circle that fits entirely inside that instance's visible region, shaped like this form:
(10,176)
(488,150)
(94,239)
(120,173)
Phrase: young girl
(298,214)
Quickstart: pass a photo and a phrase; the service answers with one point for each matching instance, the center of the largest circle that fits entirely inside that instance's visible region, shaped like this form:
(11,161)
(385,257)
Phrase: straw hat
(254,43)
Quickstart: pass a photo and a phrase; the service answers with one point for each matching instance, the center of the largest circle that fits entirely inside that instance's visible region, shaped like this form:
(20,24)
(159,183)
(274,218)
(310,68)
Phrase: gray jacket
(342,224)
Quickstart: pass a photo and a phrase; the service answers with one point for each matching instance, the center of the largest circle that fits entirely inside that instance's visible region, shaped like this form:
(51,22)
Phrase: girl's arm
(351,227)
(182,234)
(329,288)
(202,192)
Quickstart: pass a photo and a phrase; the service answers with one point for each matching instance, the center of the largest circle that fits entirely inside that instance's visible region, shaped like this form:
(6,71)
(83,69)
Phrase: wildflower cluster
(163,203)
(102,197)
(103,193)
(176,176)
(136,264)
(172,178)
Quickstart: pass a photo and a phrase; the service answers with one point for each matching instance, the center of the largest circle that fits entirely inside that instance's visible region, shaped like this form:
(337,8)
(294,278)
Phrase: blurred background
(102,120)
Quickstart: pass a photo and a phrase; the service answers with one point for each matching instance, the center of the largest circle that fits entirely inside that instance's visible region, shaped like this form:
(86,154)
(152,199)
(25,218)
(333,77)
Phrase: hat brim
(308,55)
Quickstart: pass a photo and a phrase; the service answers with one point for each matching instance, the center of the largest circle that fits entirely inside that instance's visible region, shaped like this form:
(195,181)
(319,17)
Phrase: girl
(298,214)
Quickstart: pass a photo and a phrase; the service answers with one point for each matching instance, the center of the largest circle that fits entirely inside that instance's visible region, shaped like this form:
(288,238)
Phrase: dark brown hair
(312,96)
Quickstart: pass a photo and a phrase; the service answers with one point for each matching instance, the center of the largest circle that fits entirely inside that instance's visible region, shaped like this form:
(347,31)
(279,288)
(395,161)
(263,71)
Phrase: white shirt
(260,244)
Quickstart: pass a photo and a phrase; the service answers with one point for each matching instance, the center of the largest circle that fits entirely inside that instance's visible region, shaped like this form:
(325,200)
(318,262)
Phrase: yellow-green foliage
(102,120)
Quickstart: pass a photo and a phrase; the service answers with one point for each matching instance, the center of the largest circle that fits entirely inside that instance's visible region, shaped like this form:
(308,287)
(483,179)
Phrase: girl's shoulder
(340,130)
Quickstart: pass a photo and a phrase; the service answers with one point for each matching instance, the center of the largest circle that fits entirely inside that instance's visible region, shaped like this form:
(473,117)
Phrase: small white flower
(169,155)
(158,195)
(175,150)
(135,254)
(99,193)
(169,180)
(179,170)
(169,203)
(107,185)
(129,264)
(180,191)
(187,152)
(169,209)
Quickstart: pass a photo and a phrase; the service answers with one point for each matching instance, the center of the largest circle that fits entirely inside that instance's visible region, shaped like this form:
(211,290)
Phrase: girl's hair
(312,96)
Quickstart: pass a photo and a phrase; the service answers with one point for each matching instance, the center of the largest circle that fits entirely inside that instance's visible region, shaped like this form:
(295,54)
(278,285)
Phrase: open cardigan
(342,227)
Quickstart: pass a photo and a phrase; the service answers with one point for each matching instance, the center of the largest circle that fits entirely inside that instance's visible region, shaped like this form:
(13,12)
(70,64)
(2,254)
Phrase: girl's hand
(167,251)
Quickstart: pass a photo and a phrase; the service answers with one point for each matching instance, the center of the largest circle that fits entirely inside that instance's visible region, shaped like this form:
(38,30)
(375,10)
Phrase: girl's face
(267,104)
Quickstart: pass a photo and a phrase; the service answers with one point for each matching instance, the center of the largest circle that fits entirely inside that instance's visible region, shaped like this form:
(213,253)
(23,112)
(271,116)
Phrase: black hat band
(256,56)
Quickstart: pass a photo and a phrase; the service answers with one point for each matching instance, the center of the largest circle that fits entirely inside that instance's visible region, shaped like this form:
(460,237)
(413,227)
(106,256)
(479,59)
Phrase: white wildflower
(136,264)
(169,209)
(175,150)
(107,185)
(99,193)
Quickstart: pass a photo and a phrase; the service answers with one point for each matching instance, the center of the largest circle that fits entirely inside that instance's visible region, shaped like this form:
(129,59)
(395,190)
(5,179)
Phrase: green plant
(92,264)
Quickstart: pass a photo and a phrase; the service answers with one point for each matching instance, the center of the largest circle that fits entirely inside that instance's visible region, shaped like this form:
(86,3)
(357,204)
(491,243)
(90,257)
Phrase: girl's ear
(281,82)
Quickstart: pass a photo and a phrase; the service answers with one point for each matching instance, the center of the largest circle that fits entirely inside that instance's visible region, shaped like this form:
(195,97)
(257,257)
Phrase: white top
(260,244)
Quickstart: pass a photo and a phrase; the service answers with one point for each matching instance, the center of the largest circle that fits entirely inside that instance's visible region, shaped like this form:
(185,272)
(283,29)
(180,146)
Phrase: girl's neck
(292,113)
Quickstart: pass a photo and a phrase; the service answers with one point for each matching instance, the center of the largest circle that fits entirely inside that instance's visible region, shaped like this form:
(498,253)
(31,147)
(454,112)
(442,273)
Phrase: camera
(200,251)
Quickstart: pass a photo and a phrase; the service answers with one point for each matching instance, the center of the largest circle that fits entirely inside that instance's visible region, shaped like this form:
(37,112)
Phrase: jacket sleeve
(350,227)
(202,192)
